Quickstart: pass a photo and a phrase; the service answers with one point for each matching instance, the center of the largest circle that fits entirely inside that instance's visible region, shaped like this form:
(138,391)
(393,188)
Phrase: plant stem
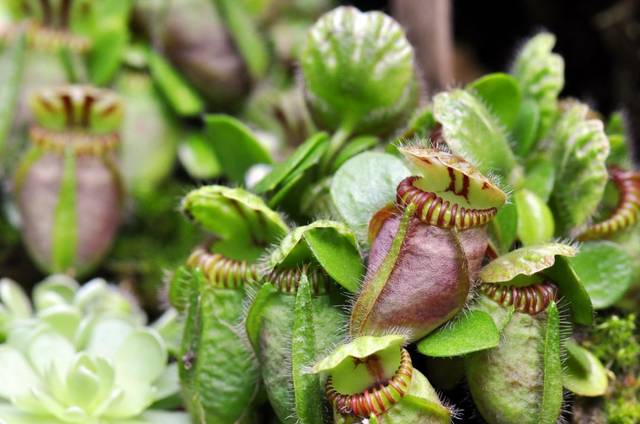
(335,144)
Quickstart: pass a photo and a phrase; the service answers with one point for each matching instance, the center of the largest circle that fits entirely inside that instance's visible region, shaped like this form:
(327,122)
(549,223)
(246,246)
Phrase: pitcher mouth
(82,143)
(378,398)
(530,300)
(223,272)
(432,209)
(43,38)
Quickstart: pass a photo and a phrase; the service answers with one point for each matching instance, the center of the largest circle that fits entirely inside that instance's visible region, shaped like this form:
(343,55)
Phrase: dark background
(599,40)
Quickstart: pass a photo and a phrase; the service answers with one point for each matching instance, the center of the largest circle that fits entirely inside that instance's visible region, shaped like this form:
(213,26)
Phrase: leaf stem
(335,144)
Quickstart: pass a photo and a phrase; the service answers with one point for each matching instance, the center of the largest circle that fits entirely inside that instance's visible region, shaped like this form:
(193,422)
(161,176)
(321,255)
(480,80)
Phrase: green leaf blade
(182,97)
(235,145)
(473,331)
(363,185)
(605,270)
(502,95)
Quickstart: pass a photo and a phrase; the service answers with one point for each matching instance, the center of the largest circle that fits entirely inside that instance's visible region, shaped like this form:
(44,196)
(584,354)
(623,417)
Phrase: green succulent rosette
(219,372)
(81,354)
(297,315)
(372,378)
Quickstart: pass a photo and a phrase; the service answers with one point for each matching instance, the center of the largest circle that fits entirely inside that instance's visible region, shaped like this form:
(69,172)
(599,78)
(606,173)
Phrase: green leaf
(11,70)
(504,227)
(198,157)
(338,256)
(470,332)
(472,132)
(290,187)
(541,76)
(106,54)
(65,230)
(540,178)
(180,95)
(329,243)
(306,386)
(551,402)
(253,322)
(365,184)
(247,38)
(584,374)
(524,261)
(285,170)
(580,149)
(572,289)
(235,145)
(354,147)
(501,94)
(535,220)
(241,220)
(605,270)
(358,70)
(526,127)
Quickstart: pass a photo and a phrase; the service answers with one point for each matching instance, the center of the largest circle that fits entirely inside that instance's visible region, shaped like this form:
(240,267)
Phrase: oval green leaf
(584,374)
(501,93)
(332,244)
(365,184)
(235,145)
(535,220)
(605,270)
(470,332)
(198,157)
